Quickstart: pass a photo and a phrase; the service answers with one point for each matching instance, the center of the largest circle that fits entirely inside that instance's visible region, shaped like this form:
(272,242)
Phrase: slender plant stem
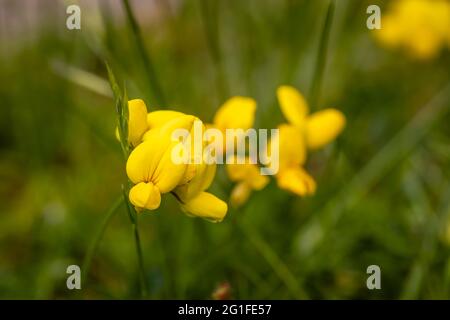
(137,240)
(96,240)
(321,56)
(144,289)
(144,55)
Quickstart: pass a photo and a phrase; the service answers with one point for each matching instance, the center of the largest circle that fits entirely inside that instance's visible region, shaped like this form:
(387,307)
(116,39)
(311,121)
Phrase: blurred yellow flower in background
(239,113)
(304,131)
(248,178)
(421,27)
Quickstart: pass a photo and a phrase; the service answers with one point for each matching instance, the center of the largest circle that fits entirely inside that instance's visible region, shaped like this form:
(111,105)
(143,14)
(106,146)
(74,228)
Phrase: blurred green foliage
(383,198)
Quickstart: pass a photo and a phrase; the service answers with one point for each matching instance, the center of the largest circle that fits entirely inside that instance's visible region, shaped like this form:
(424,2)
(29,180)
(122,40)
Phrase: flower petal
(291,147)
(145,196)
(161,117)
(203,178)
(207,206)
(296,180)
(137,121)
(293,105)
(323,127)
(236,112)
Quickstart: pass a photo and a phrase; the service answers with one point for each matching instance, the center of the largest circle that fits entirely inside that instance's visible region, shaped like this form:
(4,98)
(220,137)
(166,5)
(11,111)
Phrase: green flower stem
(96,241)
(134,222)
(322,56)
(145,57)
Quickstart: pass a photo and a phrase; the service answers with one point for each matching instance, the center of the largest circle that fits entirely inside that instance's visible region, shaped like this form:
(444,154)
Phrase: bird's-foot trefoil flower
(239,113)
(419,27)
(150,166)
(247,178)
(303,132)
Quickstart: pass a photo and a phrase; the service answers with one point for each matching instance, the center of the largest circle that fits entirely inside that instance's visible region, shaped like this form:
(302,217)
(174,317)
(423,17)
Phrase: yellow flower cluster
(422,27)
(303,132)
(151,169)
(153,172)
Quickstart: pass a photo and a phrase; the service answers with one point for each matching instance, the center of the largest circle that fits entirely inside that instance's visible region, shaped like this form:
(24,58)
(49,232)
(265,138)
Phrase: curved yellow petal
(207,206)
(145,196)
(201,181)
(296,180)
(161,117)
(292,148)
(236,112)
(143,160)
(323,127)
(151,161)
(292,104)
(137,121)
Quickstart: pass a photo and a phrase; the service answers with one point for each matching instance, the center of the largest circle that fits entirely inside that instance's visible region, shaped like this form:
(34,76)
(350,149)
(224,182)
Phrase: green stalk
(321,57)
(145,57)
(137,240)
(121,101)
(96,241)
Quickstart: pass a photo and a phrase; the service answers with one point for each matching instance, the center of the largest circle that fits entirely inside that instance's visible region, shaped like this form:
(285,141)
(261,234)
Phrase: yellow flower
(239,113)
(153,171)
(304,131)
(422,27)
(248,178)
(195,201)
(151,168)
(319,128)
(236,113)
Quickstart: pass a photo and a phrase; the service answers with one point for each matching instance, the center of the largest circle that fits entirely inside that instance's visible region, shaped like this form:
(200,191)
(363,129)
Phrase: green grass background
(383,187)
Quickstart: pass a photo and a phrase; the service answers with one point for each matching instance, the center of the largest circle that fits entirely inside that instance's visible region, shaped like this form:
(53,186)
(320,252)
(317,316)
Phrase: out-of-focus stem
(211,29)
(321,56)
(95,242)
(145,57)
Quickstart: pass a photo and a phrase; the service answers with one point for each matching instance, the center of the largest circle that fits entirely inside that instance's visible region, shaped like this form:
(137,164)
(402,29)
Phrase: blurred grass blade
(275,262)
(433,224)
(113,83)
(313,232)
(209,13)
(145,57)
(82,78)
(98,237)
(321,56)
